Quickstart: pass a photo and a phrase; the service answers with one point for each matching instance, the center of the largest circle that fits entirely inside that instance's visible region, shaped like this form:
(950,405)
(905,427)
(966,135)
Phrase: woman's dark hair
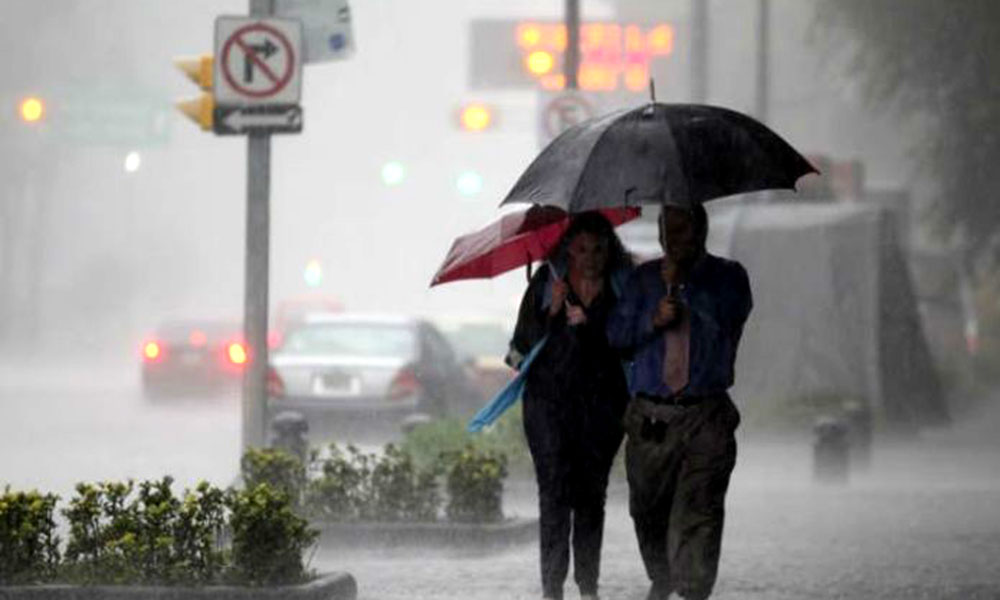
(597,224)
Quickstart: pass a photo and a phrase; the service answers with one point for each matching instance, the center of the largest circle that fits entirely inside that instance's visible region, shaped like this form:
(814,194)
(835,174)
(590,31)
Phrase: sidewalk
(924,522)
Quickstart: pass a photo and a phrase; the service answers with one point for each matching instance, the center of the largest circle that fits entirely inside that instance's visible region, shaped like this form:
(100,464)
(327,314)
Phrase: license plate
(335,384)
(190,358)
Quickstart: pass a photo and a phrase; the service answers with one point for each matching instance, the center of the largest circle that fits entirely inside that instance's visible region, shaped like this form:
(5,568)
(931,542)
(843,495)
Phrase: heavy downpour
(483,299)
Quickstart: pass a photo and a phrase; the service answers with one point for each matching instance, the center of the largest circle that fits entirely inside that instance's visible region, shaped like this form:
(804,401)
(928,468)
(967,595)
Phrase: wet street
(922,522)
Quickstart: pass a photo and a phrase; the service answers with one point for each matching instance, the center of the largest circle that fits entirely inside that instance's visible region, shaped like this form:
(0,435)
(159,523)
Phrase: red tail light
(273,339)
(275,385)
(404,384)
(151,351)
(237,353)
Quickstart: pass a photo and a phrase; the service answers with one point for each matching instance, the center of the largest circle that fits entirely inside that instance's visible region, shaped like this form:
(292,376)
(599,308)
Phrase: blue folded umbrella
(506,397)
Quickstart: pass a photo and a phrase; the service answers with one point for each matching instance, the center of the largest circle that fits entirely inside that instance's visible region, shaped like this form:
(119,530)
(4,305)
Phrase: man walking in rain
(679,321)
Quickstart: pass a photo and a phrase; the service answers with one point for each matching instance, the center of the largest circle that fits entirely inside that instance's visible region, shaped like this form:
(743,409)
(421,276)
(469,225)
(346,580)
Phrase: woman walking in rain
(574,397)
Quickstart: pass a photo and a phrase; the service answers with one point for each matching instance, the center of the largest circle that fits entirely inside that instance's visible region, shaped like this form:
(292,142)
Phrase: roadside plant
(29,547)
(352,485)
(268,537)
(201,519)
(474,480)
(426,442)
(340,484)
(103,546)
(277,468)
(400,492)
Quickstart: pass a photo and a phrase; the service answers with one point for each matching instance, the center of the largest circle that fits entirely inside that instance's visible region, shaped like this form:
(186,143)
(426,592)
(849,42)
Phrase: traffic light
(475,117)
(199,70)
(469,183)
(313,273)
(31,109)
(393,173)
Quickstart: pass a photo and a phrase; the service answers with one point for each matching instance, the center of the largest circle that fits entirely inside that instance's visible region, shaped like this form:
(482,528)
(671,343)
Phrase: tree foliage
(937,59)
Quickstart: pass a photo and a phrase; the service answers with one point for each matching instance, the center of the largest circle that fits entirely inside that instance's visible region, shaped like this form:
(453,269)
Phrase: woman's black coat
(575,392)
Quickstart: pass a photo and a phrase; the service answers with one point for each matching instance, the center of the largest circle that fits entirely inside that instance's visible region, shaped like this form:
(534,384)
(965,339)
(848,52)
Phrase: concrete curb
(504,533)
(331,586)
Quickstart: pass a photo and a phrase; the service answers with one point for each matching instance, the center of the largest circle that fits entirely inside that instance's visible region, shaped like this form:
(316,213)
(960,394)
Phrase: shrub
(340,488)
(399,491)
(102,546)
(426,442)
(475,484)
(123,533)
(201,519)
(389,487)
(277,468)
(29,548)
(268,538)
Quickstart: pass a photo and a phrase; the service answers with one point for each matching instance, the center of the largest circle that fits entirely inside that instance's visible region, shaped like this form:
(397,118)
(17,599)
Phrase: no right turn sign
(257,61)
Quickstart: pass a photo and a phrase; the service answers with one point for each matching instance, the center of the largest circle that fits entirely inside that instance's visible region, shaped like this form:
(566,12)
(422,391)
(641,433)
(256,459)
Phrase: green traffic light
(393,173)
(313,273)
(469,183)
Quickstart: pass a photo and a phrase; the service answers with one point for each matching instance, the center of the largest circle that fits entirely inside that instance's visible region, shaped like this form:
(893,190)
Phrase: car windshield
(368,340)
(480,340)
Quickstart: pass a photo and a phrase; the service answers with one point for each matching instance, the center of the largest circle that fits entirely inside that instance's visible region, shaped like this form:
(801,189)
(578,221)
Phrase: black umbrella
(660,153)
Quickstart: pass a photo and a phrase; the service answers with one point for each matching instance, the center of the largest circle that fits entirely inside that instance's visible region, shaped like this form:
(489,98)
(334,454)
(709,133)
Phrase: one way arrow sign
(235,120)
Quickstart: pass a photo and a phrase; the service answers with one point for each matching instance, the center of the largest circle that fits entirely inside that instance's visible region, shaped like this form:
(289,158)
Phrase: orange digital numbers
(612,55)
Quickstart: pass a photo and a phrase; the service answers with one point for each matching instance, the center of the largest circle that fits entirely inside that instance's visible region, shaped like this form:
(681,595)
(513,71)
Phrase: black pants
(678,474)
(571,497)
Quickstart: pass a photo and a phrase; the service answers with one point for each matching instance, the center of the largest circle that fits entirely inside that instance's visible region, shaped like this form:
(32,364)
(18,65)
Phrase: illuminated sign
(613,56)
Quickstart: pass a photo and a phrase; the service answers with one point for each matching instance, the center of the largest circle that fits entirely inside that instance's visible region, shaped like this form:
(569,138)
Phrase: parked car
(192,355)
(481,344)
(367,370)
(291,311)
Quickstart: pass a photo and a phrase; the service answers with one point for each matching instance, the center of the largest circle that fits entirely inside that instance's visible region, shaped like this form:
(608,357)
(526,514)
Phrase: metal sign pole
(572,57)
(256,281)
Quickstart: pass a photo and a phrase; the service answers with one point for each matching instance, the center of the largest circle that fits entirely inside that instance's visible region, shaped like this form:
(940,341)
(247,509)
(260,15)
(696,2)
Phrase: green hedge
(346,484)
(123,533)
(29,547)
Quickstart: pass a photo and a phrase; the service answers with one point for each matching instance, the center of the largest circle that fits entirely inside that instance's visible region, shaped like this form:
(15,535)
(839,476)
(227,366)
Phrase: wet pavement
(900,531)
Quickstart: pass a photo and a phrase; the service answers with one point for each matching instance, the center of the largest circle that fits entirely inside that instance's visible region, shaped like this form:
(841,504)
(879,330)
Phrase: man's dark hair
(597,224)
(699,218)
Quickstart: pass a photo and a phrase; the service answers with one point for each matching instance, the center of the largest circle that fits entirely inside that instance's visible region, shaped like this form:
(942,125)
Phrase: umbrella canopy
(514,240)
(659,154)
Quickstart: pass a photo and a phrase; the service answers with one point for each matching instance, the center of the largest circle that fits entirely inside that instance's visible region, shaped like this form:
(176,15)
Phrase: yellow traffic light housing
(31,109)
(199,70)
(199,110)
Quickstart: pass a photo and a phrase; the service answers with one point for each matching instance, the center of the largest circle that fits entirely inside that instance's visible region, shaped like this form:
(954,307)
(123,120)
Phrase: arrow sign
(235,120)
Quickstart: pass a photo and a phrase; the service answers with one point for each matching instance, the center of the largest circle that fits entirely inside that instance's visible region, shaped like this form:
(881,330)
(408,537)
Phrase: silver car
(354,370)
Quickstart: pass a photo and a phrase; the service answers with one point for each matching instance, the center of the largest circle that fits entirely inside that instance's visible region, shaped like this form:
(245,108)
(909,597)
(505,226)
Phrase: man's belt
(682,399)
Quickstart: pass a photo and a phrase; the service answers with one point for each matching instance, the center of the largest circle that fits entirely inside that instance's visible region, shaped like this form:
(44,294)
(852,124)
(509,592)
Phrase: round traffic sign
(565,111)
(257,60)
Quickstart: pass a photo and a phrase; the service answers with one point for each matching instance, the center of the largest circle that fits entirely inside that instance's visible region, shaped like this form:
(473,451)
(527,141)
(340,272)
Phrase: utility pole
(699,51)
(572,65)
(256,282)
(763,60)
